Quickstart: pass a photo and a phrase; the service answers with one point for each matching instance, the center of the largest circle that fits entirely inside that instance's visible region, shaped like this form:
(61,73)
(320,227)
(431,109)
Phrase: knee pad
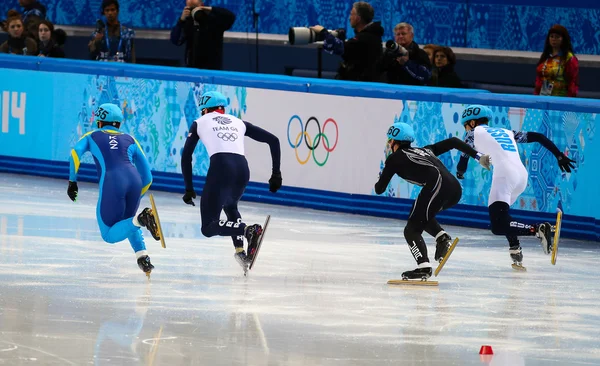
(499,217)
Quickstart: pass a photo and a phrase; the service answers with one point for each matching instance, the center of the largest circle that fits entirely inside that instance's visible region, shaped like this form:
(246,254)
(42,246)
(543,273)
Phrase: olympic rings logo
(226,136)
(312,143)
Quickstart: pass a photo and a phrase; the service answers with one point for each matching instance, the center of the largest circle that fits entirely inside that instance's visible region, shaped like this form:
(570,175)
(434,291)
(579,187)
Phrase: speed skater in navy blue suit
(228,174)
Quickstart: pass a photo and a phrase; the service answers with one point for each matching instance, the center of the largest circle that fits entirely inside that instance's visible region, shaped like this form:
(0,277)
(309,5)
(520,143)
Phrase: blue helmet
(475,111)
(401,131)
(109,112)
(213,99)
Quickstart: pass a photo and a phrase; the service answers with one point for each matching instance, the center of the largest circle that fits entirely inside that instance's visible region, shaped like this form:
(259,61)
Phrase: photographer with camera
(201,28)
(359,54)
(112,41)
(403,62)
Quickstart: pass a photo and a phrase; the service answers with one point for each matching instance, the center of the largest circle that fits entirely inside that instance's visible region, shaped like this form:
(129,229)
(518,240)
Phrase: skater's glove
(485,161)
(72,191)
(188,197)
(275,182)
(565,163)
(460,175)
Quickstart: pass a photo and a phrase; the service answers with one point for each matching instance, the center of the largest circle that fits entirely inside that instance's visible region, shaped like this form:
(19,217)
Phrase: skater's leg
(433,227)
(448,196)
(503,224)
(214,195)
(233,214)
(514,249)
(236,192)
(416,244)
(110,211)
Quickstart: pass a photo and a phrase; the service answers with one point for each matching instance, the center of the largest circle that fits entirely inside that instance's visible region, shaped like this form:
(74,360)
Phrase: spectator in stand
(50,41)
(429,48)
(33,13)
(443,73)
(558,68)
(201,28)
(412,69)
(361,53)
(17,43)
(112,41)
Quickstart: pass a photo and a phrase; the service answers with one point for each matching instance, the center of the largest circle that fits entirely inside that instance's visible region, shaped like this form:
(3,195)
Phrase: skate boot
(145,265)
(442,246)
(147,219)
(419,273)
(517,256)
(544,232)
(253,233)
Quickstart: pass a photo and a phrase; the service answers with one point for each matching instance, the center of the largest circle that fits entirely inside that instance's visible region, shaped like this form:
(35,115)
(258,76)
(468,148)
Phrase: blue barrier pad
(19,62)
(273,82)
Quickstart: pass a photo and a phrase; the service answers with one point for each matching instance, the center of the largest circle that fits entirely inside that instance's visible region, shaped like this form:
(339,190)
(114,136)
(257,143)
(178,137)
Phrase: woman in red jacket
(558,68)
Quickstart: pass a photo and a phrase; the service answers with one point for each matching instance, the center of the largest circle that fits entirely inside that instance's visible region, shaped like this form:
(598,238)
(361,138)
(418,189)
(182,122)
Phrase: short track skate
(419,276)
(443,262)
(519,267)
(155,213)
(264,231)
(556,228)
(417,282)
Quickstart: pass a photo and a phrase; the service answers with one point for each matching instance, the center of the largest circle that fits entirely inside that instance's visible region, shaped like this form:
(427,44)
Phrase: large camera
(198,14)
(303,35)
(394,49)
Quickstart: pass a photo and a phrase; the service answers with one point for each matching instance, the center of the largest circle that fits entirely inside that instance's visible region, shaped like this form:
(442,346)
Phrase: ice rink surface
(316,296)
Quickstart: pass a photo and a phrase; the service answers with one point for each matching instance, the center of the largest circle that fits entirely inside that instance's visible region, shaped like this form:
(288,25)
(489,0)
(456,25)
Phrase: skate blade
(158,226)
(556,236)
(443,262)
(519,267)
(268,219)
(417,282)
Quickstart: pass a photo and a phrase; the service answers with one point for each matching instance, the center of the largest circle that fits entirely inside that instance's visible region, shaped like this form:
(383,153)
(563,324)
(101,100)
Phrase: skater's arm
(529,137)
(463,162)
(261,135)
(186,156)
(564,162)
(141,163)
(444,146)
(386,175)
(80,148)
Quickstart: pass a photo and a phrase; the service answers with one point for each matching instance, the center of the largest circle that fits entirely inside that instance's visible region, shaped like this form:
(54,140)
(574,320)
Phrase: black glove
(188,197)
(72,191)
(564,163)
(460,175)
(275,182)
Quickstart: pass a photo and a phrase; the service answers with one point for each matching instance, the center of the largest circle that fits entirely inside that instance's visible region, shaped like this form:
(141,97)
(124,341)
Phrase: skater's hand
(275,182)
(485,161)
(72,191)
(460,175)
(565,163)
(188,197)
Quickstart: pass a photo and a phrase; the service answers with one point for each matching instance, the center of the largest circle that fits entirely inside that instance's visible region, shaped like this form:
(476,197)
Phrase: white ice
(317,295)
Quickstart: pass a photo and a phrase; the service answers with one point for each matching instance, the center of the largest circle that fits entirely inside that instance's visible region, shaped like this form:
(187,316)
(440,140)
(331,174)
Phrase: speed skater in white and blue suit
(125,177)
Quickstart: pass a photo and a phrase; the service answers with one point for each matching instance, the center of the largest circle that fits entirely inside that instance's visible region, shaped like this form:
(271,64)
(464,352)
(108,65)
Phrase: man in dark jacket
(201,28)
(361,53)
(412,69)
